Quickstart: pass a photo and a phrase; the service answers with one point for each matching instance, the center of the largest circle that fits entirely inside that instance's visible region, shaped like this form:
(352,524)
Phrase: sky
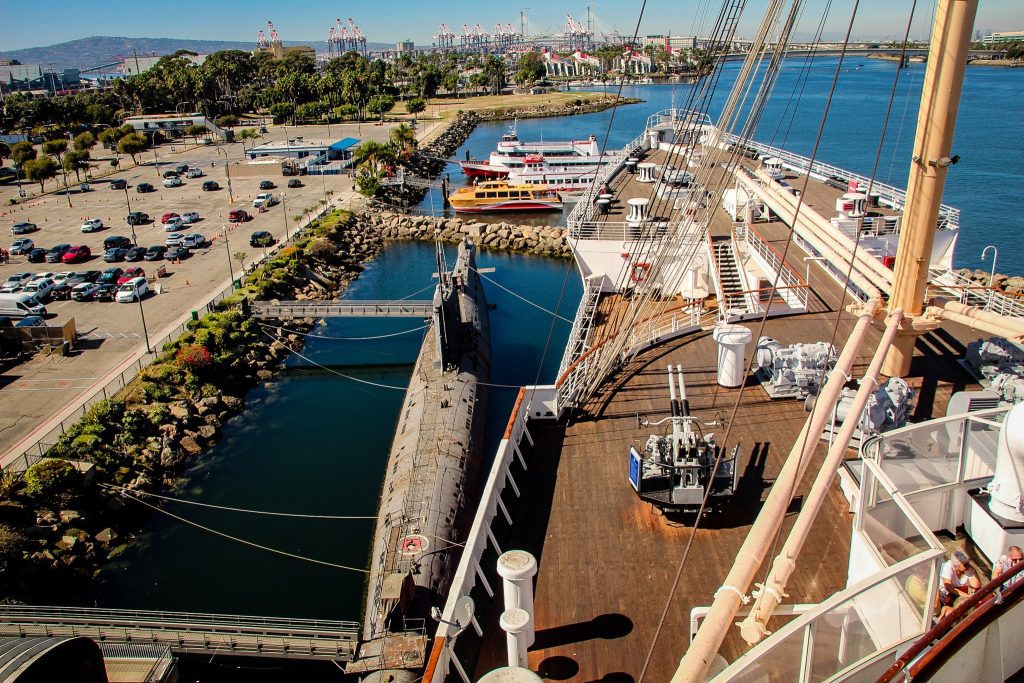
(46,22)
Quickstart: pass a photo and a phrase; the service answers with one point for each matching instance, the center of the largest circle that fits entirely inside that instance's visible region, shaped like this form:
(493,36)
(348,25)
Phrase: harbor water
(315,441)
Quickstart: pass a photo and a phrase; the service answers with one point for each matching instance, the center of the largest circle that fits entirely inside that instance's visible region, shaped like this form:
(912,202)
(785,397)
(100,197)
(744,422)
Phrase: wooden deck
(608,561)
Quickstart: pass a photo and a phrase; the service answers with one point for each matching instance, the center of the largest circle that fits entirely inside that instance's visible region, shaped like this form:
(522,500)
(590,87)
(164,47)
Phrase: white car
(92,225)
(19,278)
(194,173)
(174,239)
(190,217)
(193,240)
(263,200)
(133,290)
(62,276)
(10,287)
(172,182)
(39,288)
(43,276)
(173,224)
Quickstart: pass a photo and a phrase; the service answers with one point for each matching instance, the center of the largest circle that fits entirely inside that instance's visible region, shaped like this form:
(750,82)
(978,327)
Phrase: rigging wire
(330,338)
(522,298)
(335,372)
(760,332)
(122,489)
(251,544)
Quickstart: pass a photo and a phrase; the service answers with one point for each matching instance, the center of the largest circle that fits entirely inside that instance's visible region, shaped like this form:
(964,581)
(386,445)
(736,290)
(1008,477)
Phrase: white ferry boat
(511,155)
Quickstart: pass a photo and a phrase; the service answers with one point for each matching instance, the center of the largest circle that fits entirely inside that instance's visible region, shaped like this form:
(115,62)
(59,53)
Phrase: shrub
(51,478)
(320,248)
(194,357)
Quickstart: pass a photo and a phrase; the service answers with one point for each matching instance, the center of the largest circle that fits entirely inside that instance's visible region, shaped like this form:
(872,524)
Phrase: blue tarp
(343,144)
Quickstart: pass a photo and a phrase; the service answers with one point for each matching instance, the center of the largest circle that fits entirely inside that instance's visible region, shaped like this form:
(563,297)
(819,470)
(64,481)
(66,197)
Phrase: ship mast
(936,121)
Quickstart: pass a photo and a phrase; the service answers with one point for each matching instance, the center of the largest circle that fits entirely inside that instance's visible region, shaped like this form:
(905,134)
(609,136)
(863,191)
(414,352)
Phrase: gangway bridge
(340,308)
(191,633)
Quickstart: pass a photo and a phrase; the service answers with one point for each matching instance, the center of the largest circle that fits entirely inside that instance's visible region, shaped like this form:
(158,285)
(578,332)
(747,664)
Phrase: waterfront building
(1003,37)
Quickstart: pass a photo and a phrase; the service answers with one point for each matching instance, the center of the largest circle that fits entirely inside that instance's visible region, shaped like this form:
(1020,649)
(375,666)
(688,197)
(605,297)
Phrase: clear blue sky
(31,24)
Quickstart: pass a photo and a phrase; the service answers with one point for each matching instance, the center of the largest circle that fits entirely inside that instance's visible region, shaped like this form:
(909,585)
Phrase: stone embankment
(1011,284)
(526,239)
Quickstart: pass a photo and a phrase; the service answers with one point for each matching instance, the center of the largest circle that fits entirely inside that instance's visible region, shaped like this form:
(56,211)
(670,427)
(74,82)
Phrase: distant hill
(86,53)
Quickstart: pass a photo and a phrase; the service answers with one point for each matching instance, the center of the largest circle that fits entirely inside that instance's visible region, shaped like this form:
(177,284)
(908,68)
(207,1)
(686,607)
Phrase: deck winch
(677,470)
(887,408)
(793,371)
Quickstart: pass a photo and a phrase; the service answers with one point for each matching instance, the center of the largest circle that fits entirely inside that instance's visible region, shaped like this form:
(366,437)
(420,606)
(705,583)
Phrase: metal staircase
(582,323)
(730,281)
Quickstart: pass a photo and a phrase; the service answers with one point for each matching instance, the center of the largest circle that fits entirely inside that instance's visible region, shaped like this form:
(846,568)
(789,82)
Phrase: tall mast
(936,121)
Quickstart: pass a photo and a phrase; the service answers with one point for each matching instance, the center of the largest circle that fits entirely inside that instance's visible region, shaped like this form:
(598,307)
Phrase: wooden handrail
(515,413)
(946,633)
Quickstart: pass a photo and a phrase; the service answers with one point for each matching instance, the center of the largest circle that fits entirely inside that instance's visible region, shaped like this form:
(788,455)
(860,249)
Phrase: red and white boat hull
(483,169)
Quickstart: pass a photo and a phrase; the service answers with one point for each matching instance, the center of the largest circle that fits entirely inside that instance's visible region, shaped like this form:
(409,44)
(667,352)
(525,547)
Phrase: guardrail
(622,230)
(189,632)
(969,292)
(792,286)
(163,659)
(25,454)
(949,217)
(347,308)
(583,211)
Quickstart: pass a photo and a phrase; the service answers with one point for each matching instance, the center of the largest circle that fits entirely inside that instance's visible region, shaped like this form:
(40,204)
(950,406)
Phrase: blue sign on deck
(634,469)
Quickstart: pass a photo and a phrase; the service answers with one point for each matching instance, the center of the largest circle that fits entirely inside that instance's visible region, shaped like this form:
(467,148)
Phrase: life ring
(639,272)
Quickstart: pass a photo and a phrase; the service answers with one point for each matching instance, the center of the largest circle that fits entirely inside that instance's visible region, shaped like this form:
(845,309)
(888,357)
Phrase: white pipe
(977,318)
(753,628)
(1005,489)
(514,622)
(693,667)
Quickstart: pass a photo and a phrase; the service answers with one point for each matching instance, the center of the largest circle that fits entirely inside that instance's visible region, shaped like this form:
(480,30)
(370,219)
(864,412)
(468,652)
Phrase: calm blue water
(316,443)
(984,185)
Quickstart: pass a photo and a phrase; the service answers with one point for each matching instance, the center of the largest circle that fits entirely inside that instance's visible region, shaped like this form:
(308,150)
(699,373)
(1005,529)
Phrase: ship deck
(608,561)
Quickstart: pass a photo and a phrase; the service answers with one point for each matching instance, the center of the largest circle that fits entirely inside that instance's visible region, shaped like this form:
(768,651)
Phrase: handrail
(933,638)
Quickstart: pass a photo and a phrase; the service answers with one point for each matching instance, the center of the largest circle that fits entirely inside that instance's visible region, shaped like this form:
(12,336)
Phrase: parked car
(110,275)
(118,184)
(177,253)
(294,182)
(115,241)
(210,185)
(22,245)
(190,217)
(170,174)
(61,291)
(114,254)
(39,289)
(238,216)
(84,276)
(84,291)
(168,216)
(137,217)
(155,252)
(60,277)
(20,278)
(23,228)
(131,274)
(173,182)
(56,254)
(11,287)
(174,239)
(105,292)
(181,168)
(37,255)
(193,240)
(142,188)
(30,321)
(135,254)
(264,200)
(267,185)
(92,225)
(133,290)
(194,173)
(261,238)
(77,254)
(174,224)
(42,275)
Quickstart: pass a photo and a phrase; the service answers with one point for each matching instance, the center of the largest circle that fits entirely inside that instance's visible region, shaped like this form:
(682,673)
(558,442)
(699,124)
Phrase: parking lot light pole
(227,171)
(284,214)
(145,333)
(231,270)
(131,224)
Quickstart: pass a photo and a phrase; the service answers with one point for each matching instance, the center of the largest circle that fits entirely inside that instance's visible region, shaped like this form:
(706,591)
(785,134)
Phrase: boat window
(513,194)
(492,195)
(503,195)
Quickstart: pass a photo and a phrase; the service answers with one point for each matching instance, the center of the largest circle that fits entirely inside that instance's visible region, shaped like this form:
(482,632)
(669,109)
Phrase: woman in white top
(956,580)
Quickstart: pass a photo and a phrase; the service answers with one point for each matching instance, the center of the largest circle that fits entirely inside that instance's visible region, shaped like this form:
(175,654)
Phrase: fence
(163,659)
(26,453)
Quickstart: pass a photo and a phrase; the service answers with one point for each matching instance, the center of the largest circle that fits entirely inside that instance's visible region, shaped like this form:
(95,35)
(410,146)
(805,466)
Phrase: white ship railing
(969,292)
(534,402)
(912,482)
(790,285)
(576,345)
(583,212)
(677,116)
(949,217)
(622,231)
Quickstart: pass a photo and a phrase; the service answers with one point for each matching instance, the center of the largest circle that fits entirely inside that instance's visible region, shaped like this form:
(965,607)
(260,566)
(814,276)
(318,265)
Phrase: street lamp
(227,171)
(995,255)
(284,214)
(142,314)
(227,248)
(131,223)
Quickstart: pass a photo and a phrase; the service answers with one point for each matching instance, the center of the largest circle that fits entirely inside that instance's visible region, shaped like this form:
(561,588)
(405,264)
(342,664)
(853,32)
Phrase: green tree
(108,137)
(531,69)
(132,144)
(494,70)
(195,131)
(227,121)
(380,104)
(84,142)
(415,106)
(5,151)
(76,160)
(22,152)
(55,147)
(247,134)
(281,111)
(51,480)
(403,138)
(40,170)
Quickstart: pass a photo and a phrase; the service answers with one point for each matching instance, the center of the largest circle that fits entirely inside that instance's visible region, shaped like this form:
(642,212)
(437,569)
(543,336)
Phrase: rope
(122,489)
(521,298)
(329,338)
(339,374)
(236,539)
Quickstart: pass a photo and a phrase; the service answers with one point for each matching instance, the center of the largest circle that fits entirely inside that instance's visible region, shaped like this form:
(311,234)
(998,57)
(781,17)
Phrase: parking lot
(110,332)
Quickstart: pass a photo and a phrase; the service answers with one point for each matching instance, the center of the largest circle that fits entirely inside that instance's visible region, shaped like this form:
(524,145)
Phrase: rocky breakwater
(1011,284)
(545,110)
(526,239)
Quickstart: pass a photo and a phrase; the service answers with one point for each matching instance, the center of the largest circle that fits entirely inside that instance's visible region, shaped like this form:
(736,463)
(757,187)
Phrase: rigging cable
(763,321)
(251,544)
(522,298)
(335,372)
(330,338)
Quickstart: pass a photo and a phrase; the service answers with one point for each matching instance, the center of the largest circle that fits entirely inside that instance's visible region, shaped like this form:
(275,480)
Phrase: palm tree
(404,138)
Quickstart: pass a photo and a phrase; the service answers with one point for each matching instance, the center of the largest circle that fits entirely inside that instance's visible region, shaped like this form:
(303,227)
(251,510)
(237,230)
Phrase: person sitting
(1005,562)
(957,580)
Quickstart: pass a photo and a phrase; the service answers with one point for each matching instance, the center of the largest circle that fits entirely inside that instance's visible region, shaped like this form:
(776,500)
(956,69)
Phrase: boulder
(69,516)
(106,537)
(208,431)
(190,445)
(180,410)
(66,543)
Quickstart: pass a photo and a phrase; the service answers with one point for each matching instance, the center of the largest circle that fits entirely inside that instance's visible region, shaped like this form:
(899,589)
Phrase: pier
(342,309)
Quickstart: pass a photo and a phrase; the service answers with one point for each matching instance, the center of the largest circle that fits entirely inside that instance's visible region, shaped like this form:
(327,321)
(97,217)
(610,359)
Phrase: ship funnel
(1007,499)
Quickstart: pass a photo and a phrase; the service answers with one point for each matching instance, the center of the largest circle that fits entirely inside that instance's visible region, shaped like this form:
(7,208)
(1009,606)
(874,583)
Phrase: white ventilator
(1007,499)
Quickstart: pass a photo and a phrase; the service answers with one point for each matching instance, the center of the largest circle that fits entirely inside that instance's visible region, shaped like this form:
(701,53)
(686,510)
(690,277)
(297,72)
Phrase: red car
(238,216)
(77,253)
(130,274)
(168,216)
